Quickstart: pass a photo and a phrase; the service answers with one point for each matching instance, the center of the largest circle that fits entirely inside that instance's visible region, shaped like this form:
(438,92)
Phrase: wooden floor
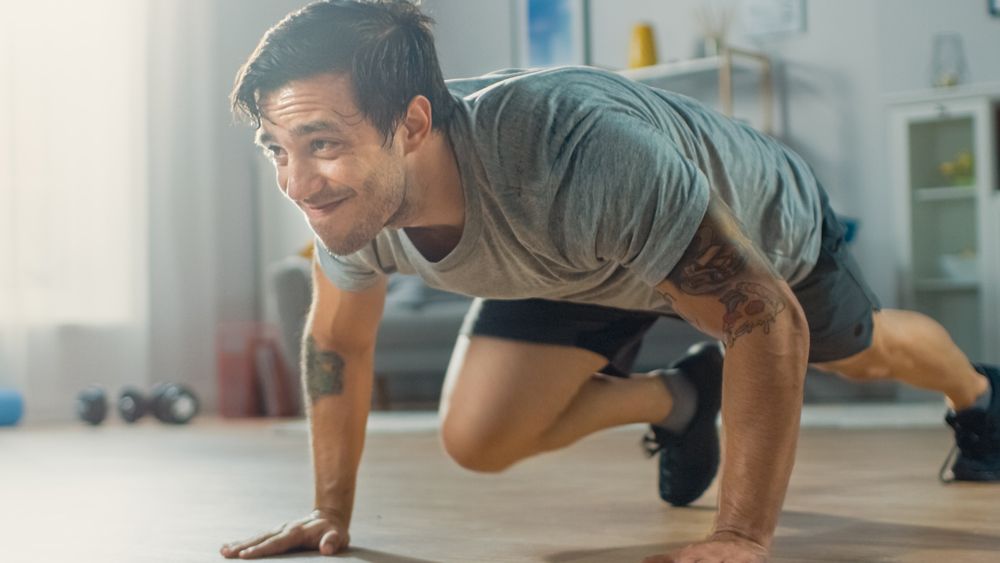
(162,494)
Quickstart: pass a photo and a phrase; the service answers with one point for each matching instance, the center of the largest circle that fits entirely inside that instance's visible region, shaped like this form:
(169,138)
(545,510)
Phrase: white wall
(830,79)
(184,240)
(473,36)
(904,41)
(211,216)
(278,227)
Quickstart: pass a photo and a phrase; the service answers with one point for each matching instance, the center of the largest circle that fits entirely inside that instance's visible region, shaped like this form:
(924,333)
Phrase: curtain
(73,203)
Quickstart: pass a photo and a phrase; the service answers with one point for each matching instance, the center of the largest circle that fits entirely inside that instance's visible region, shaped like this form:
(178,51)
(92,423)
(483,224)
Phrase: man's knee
(475,445)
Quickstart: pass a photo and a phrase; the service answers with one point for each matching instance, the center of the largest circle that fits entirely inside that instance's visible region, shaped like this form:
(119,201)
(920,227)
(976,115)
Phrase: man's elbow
(790,336)
(768,329)
(799,329)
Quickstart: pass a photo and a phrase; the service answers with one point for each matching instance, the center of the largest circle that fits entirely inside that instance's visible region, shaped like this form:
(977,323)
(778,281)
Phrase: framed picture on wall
(552,33)
(773,17)
(994,7)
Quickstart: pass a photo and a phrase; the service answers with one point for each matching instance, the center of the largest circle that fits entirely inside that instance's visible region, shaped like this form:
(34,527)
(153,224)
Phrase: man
(581,207)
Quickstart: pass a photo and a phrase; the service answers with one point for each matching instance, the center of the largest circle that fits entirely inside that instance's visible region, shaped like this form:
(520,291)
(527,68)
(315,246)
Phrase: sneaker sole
(964,475)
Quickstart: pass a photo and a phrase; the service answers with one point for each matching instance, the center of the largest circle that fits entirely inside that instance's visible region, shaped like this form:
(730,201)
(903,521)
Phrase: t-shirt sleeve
(353,272)
(638,195)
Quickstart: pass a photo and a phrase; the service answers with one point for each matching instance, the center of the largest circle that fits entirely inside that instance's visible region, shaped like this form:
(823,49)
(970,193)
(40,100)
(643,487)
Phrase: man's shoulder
(522,120)
(473,86)
(496,90)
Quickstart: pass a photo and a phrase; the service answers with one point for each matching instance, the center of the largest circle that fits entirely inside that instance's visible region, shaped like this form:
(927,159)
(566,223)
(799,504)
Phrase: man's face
(331,161)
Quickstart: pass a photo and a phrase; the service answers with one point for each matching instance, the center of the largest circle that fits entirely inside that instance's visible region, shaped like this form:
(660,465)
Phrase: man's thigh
(497,389)
(518,364)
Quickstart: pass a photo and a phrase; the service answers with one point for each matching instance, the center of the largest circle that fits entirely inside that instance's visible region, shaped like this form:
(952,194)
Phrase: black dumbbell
(169,403)
(131,405)
(173,404)
(92,405)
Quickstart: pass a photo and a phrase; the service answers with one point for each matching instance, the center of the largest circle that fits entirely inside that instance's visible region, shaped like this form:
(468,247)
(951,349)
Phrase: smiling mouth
(325,208)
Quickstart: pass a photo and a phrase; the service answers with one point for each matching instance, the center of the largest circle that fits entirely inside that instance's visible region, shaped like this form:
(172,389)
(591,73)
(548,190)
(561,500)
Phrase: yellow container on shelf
(642,48)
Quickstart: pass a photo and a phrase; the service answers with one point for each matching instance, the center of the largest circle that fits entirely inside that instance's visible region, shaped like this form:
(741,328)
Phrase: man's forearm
(762,403)
(338,393)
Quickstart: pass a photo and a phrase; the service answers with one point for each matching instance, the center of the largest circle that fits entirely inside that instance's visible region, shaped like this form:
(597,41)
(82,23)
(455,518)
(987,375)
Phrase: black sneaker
(977,438)
(689,460)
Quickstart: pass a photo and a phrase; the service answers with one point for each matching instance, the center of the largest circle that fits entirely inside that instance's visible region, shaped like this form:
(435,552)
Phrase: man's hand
(719,548)
(318,531)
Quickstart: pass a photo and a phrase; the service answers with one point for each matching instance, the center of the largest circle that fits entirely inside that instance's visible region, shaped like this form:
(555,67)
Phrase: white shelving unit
(950,263)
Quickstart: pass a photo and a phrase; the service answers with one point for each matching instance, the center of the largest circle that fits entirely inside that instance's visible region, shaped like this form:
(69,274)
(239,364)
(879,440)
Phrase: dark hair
(386,46)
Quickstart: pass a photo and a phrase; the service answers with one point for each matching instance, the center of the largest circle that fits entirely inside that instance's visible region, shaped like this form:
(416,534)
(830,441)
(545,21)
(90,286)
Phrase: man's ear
(417,123)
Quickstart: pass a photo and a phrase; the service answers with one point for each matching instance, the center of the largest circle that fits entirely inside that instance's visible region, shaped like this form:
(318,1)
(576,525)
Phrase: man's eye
(320,145)
(274,152)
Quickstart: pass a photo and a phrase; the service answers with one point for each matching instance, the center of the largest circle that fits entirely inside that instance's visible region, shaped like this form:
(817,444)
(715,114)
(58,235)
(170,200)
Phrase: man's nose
(302,180)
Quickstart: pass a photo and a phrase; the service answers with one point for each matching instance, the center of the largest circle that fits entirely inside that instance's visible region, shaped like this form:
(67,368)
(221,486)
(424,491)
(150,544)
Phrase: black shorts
(835,297)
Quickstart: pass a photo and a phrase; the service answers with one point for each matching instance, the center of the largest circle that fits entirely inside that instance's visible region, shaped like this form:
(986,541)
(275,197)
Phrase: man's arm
(337,370)
(726,287)
(337,360)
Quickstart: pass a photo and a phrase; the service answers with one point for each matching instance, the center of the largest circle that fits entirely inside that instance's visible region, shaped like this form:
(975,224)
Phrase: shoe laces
(650,445)
(656,440)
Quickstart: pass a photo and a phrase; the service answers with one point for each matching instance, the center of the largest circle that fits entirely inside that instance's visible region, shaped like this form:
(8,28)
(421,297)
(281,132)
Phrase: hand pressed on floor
(715,549)
(318,531)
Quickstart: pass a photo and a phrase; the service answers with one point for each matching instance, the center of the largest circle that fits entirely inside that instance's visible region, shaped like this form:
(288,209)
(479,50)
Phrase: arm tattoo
(712,265)
(749,305)
(708,264)
(323,371)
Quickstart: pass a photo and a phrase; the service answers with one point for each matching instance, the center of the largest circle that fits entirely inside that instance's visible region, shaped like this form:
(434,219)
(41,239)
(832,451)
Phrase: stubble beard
(381,214)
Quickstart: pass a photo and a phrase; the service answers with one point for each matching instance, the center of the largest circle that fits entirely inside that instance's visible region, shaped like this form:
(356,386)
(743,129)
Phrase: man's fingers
(277,544)
(233,549)
(330,543)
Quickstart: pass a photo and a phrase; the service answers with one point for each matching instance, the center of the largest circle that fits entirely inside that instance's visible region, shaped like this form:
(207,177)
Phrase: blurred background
(140,228)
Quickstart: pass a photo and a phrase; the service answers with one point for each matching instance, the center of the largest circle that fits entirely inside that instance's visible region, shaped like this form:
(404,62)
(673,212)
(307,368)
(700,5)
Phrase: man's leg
(915,349)
(505,400)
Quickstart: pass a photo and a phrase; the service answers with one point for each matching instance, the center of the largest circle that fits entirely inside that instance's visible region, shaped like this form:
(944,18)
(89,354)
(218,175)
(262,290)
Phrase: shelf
(667,70)
(949,193)
(946,284)
(676,69)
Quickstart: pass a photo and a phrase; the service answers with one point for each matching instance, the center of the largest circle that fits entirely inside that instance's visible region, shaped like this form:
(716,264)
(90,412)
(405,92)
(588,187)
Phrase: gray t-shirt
(583,186)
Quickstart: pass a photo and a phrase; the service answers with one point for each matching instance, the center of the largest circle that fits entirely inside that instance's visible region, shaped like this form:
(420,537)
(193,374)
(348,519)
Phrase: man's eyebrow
(263,139)
(314,127)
